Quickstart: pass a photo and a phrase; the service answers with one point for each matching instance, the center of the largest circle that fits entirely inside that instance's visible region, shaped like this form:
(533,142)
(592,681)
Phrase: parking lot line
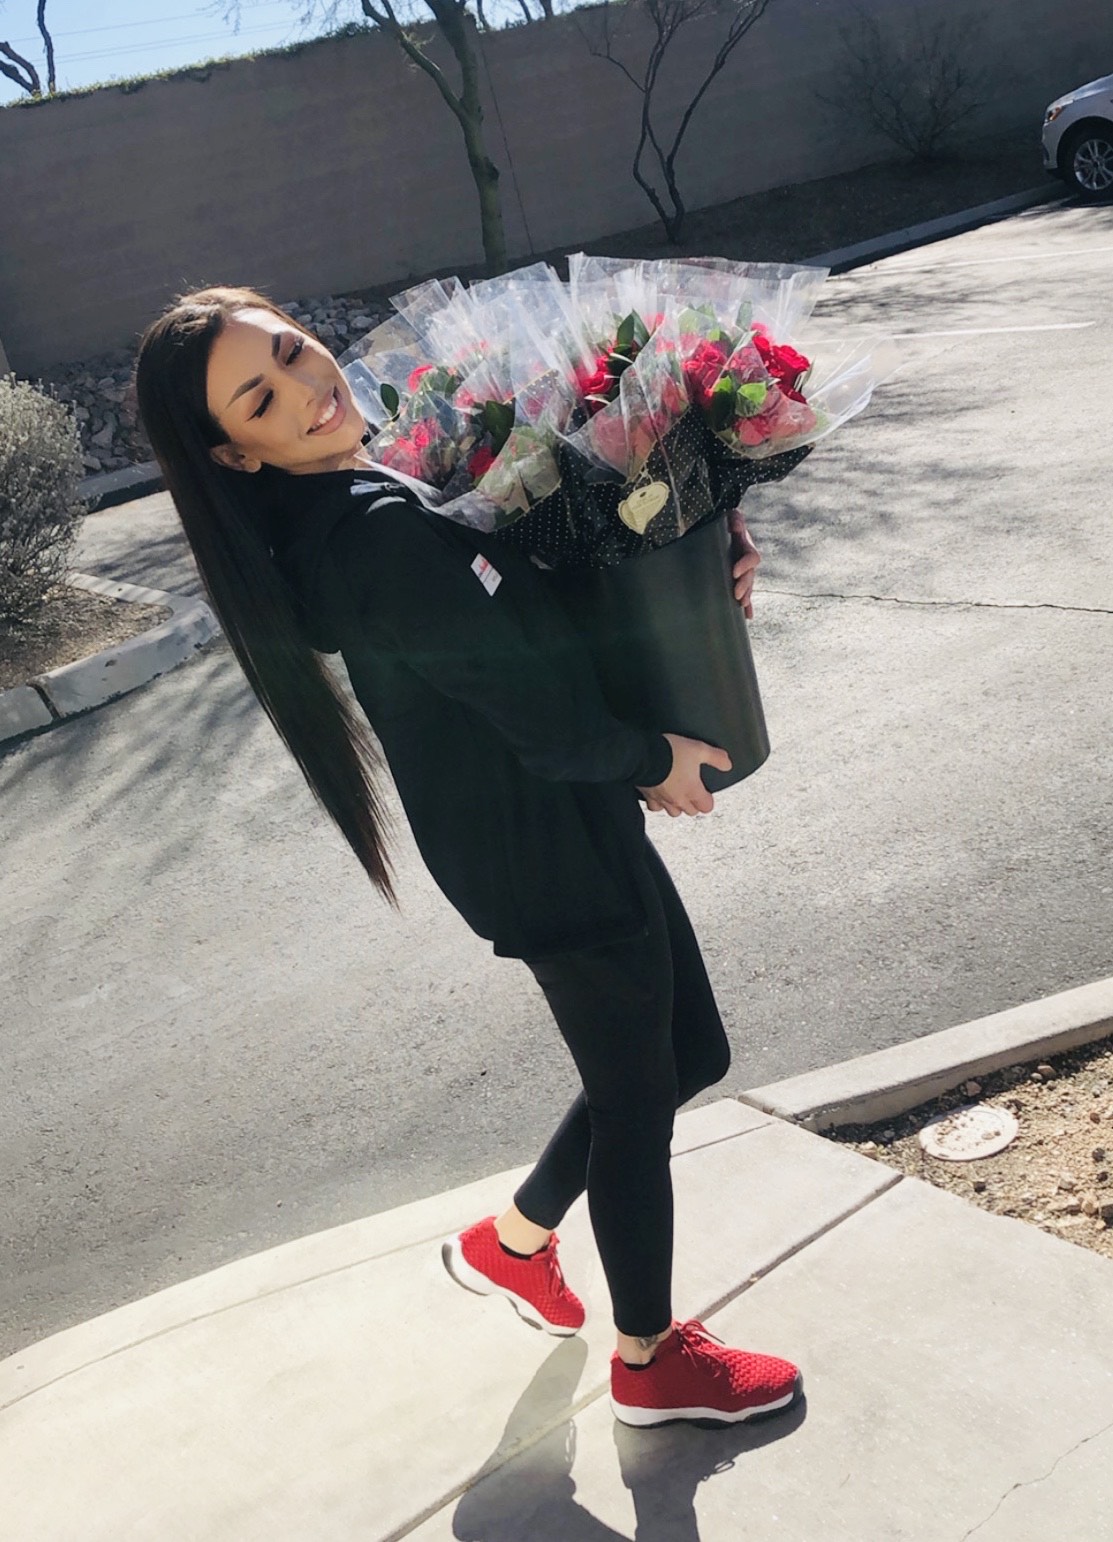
(1056,326)
(983,262)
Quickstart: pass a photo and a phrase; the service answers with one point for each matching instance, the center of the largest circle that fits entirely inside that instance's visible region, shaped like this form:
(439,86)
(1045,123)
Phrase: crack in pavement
(1031,1482)
(897,599)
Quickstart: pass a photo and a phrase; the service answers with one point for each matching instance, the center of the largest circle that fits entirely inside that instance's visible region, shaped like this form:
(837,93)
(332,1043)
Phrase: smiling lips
(331,415)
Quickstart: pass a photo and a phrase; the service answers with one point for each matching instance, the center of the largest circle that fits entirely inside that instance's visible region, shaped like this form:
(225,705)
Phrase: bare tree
(29,80)
(613,38)
(918,86)
(457,26)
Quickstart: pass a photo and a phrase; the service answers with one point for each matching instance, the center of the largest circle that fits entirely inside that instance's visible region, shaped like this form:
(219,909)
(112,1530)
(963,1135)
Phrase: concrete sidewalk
(958,1379)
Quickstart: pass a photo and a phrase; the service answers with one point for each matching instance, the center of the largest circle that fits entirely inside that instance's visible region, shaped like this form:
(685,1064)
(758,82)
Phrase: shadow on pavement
(533,1494)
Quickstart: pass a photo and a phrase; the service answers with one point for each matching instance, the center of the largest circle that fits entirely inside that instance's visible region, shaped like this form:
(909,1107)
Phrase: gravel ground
(70,624)
(1056,1173)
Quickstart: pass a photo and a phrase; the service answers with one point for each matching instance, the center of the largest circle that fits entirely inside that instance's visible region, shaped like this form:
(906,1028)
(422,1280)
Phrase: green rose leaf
(625,334)
(751,397)
(498,419)
(390,399)
(723,406)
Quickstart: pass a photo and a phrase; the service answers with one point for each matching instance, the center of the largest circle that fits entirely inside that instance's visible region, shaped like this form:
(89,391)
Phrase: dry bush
(40,510)
(919,83)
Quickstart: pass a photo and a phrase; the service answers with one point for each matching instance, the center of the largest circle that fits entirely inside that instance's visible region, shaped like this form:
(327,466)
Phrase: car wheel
(1087,160)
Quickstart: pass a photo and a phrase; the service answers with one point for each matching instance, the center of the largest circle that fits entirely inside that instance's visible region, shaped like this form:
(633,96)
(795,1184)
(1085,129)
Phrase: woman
(520,787)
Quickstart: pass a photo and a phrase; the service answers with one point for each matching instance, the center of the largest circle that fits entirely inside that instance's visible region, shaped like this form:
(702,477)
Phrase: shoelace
(695,1341)
(552,1265)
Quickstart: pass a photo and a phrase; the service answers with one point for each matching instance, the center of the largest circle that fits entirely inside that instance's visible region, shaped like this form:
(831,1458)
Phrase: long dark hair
(329,739)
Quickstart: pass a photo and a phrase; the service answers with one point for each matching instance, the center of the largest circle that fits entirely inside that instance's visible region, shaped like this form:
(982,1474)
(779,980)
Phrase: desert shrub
(919,80)
(40,471)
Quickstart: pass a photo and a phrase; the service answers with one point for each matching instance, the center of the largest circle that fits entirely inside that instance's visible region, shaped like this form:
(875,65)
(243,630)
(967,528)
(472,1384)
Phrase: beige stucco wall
(338,166)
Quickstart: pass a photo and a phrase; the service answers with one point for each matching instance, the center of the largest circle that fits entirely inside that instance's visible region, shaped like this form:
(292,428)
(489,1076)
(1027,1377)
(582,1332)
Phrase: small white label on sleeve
(488,576)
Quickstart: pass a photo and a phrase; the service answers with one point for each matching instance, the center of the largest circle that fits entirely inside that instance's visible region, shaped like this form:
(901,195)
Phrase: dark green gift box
(668,637)
(671,647)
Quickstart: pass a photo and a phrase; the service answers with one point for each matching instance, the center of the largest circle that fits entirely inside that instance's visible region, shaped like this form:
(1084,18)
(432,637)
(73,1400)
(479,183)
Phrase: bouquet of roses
(612,414)
(484,452)
(620,416)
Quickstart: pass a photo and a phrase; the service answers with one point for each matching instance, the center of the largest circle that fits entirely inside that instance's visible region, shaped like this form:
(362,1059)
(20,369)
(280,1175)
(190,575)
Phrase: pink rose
(783,418)
(608,439)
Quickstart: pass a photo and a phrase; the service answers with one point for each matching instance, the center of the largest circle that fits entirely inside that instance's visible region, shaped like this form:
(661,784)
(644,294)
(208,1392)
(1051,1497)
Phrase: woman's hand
(747,558)
(682,791)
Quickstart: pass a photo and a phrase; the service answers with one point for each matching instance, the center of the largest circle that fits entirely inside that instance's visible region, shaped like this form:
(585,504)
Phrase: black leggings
(641,1023)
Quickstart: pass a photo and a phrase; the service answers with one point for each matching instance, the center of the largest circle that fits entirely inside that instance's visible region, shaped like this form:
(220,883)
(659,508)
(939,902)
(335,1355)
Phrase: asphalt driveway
(215,1038)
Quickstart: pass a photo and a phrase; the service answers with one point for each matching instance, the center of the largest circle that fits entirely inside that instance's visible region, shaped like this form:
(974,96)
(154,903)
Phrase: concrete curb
(108,488)
(890,1081)
(90,682)
(847,257)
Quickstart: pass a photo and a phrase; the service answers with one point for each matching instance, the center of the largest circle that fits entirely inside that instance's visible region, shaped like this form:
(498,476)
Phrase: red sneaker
(691,1378)
(534,1286)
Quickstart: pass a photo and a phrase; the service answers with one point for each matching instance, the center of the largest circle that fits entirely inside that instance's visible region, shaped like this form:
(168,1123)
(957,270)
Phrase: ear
(235,460)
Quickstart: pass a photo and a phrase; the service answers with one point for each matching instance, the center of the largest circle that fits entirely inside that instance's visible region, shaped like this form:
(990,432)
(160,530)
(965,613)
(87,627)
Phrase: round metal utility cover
(964,1134)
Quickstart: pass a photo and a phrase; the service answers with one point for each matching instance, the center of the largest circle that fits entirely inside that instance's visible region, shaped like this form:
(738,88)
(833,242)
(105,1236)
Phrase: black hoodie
(519,785)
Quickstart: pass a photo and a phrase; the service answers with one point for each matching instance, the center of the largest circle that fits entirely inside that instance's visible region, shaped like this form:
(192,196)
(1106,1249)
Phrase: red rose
(480,462)
(783,363)
(702,370)
(401,456)
(747,365)
(789,359)
(597,381)
(416,374)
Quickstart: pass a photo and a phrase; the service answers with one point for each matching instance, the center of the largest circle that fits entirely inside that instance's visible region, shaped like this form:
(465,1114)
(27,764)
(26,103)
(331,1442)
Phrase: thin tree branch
(31,82)
(388,20)
(738,29)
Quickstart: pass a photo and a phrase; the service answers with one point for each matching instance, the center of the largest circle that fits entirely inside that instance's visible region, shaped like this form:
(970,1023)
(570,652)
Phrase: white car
(1078,139)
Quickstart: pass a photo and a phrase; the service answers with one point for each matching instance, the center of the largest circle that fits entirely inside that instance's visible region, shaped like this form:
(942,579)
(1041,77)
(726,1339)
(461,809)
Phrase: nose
(314,388)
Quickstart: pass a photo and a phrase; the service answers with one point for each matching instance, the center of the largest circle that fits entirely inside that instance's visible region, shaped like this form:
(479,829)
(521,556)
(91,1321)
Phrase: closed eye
(265,403)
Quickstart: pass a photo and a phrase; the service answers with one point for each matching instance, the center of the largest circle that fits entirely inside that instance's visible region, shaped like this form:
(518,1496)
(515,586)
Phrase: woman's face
(290,379)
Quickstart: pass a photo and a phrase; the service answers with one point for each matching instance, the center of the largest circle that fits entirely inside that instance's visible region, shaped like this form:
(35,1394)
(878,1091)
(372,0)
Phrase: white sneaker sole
(643,1418)
(471,1279)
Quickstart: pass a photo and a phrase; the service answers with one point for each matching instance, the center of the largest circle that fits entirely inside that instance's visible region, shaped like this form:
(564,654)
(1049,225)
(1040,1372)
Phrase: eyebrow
(249,385)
